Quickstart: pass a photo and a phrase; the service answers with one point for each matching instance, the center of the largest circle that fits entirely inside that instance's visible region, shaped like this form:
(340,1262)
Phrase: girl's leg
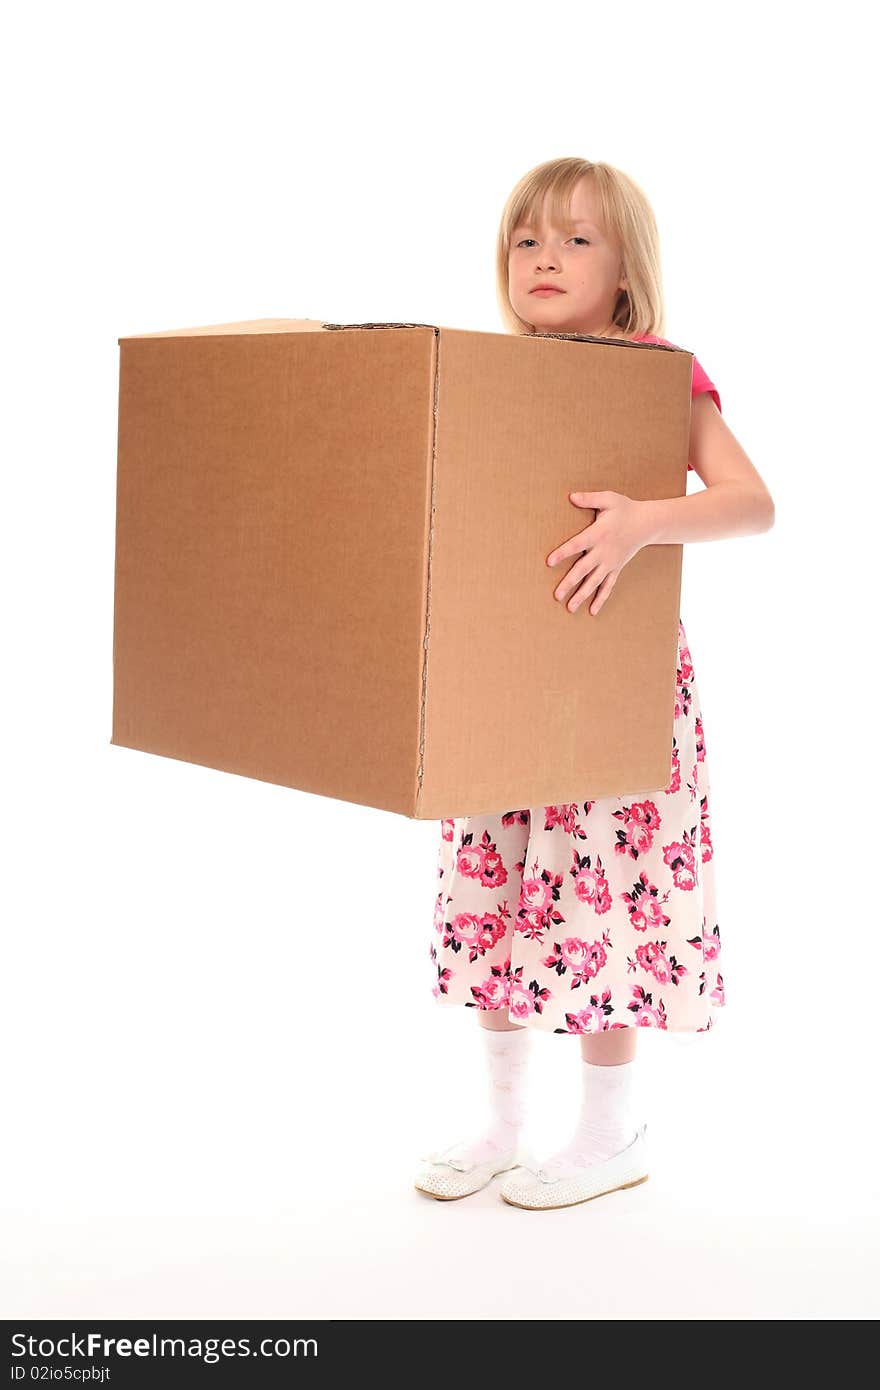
(506,1048)
(606,1122)
(497,1020)
(609,1049)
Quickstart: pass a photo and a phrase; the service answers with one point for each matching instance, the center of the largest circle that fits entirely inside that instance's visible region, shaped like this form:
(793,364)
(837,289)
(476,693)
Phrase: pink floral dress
(593,915)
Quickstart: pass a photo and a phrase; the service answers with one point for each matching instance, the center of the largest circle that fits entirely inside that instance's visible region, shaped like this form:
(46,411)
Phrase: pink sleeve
(700,382)
(699,379)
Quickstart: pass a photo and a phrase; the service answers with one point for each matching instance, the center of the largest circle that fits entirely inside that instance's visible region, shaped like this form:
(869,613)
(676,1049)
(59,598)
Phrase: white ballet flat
(561,1184)
(447,1177)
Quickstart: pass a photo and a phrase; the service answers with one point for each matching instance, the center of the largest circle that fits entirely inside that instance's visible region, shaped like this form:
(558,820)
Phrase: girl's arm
(734,502)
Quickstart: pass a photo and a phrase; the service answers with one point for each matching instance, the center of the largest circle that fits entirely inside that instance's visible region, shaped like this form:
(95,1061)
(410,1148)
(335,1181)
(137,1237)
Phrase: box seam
(435,405)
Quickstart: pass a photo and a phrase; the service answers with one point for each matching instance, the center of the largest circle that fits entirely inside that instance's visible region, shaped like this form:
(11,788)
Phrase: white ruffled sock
(606,1123)
(507,1056)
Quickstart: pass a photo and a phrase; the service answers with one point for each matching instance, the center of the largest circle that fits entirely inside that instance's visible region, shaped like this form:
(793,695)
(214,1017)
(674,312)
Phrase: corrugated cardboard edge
(435,412)
(611,342)
(381,325)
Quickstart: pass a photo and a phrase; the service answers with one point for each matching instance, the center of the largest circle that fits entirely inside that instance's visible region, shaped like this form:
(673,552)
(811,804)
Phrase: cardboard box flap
(256,326)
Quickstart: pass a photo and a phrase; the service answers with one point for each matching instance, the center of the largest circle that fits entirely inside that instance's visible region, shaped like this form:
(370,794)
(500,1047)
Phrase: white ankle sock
(507,1055)
(606,1123)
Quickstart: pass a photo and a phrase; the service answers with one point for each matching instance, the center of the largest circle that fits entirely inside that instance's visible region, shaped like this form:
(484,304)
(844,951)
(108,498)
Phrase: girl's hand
(610,541)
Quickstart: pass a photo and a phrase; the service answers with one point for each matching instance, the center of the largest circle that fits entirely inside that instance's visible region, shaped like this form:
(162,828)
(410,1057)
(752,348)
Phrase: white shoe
(561,1184)
(447,1177)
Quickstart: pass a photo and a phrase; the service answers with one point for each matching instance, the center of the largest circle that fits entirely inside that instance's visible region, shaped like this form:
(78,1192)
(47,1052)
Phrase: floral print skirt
(593,915)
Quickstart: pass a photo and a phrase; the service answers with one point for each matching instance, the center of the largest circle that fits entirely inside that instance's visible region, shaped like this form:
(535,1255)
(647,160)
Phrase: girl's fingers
(575,545)
(602,592)
(585,590)
(581,584)
(579,570)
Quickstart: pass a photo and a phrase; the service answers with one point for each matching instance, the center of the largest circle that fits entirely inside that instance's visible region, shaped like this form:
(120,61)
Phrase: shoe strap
(442,1156)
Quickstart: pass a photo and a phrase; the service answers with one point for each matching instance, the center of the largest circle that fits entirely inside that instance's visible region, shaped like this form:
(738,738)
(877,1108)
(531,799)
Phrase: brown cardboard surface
(330,561)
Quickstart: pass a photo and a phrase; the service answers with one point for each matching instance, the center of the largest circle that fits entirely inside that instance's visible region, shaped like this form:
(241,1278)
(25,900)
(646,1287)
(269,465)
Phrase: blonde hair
(626,215)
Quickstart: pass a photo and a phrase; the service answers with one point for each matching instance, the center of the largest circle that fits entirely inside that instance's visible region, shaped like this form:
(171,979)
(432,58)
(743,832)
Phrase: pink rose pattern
(592,916)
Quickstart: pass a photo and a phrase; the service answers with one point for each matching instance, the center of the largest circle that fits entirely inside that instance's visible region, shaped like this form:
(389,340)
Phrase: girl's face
(585,266)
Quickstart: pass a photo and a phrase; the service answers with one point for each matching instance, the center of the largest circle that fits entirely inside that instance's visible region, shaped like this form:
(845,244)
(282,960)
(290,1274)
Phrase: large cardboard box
(330,561)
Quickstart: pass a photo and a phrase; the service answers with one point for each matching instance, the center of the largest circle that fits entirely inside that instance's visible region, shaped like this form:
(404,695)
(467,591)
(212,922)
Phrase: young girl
(596,918)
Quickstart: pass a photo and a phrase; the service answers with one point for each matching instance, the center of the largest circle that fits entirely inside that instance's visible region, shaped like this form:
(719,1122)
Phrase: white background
(193,1128)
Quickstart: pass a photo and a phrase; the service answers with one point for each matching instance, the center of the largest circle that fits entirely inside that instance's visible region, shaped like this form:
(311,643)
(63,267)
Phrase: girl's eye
(574,238)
